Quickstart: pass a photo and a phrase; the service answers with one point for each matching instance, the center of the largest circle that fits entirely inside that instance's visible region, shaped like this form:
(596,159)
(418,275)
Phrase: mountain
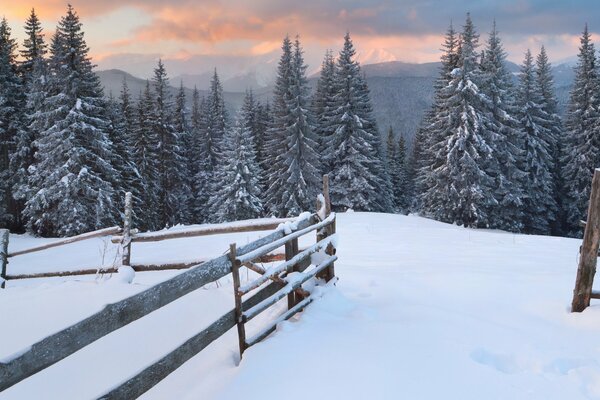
(112,80)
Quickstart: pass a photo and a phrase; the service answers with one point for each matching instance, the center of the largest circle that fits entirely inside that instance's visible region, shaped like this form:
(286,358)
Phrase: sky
(193,36)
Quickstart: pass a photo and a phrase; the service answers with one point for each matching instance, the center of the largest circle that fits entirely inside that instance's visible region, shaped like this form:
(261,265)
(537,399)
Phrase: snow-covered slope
(422,310)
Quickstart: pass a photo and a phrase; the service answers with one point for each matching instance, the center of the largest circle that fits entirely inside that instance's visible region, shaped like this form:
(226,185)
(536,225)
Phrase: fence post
(126,242)
(326,231)
(291,249)
(3,256)
(235,272)
(588,252)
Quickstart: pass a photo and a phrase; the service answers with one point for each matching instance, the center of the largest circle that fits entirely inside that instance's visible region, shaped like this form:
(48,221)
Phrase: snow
(422,310)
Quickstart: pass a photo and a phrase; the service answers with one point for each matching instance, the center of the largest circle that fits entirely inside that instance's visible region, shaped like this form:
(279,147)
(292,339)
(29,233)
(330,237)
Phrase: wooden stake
(291,249)
(326,231)
(588,253)
(3,256)
(235,272)
(126,242)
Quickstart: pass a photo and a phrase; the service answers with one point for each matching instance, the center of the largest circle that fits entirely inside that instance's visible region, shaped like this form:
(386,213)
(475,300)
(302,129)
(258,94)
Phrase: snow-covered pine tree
(431,139)
(263,121)
(173,191)
(34,46)
(274,139)
(321,105)
(238,196)
(540,207)
(357,168)
(192,155)
(145,156)
(397,171)
(124,118)
(545,83)
(182,128)
(582,144)
(294,178)
(33,69)
(402,186)
(463,191)
(507,165)
(205,156)
(71,179)
(11,125)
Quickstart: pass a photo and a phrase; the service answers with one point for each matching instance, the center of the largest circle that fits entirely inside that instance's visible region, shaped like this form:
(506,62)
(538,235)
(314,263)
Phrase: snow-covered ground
(422,310)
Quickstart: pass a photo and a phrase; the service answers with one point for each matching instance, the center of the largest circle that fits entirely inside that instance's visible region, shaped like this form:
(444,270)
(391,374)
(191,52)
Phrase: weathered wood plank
(588,255)
(84,236)
(235,273)
(116,315)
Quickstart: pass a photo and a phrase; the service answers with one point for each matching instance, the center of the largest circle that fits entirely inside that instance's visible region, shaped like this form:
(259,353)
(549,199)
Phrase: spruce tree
(71,181)
(545,84)
(397,169)
(430,143)
(238,196)
(11,125)
(123,118)
(582,144)
(206,156)
(540,207)
(507,163)
(294,173)
(462,190)
(145,145)
(322,103)
(358,179)
(34,46)
(173,192)
(182,128)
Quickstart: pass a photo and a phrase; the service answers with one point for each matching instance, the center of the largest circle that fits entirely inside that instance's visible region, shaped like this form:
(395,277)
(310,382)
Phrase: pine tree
(321,104)
(11,125)
(507,164)
(431,138)
(123,117)
(192,150)
(145,146)
(294,173)
(182,128)
(71,180)
(540,207)
(238,196)
(545,84)
(173,192)
(582,145)
(397,170)
(34,46)
(357,168)
(463,191)
(206,155)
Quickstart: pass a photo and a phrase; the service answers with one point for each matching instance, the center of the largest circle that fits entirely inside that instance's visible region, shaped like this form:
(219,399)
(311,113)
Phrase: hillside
(474,314)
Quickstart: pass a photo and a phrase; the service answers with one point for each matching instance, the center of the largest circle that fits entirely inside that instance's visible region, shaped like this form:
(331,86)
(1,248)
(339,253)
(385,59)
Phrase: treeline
(68,153)
(494,154)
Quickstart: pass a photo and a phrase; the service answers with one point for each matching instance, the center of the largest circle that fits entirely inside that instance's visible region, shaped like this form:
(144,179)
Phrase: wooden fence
(125,240)
(114,316)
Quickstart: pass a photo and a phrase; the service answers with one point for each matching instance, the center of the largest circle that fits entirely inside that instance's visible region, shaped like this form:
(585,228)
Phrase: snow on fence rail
(116,315)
